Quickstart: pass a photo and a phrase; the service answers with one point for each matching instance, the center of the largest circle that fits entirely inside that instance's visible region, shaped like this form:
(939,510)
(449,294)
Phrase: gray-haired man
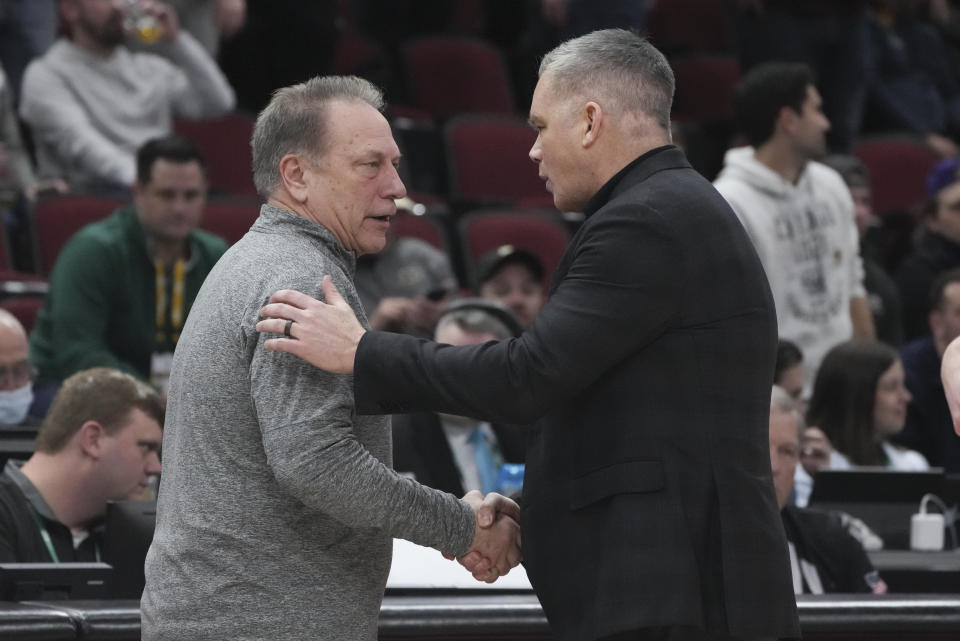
(278,506)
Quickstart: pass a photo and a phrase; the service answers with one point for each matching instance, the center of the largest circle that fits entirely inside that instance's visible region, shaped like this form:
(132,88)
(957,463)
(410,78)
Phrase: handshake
(496,540)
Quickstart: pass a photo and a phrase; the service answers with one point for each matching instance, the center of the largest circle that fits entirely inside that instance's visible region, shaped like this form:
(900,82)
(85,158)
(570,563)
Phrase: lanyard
(48,542)
(176,299)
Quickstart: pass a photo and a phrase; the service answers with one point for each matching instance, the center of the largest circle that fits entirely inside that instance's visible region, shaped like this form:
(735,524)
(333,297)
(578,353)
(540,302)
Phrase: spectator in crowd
(788,372)
(859,401)
(16,383)
(882,294)
(797,211)
(829,36)
(16,170)
(91,102)
(929,428)
(515,278)
(100,442)
(19,185)
(210,21)
(824,556)
(911,84)
(27,29)
(937,249)
(122,287)
(457,454)
(312,529)
(404,287)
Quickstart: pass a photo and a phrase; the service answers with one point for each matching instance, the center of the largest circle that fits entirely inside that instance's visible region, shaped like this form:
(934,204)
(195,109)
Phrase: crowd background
(458,77)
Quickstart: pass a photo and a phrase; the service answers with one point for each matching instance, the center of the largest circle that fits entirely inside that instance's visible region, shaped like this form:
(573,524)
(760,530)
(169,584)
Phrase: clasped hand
(496,547)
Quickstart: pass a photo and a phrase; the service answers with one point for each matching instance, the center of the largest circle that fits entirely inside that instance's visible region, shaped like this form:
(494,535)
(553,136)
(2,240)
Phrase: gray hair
(294,123)
(475,321)
(782,402)
(625,69)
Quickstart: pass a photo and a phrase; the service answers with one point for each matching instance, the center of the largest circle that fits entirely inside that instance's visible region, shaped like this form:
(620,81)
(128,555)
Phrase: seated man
(404,287)
(515,278)
(929,427)
(16,375)
(457,454)
(122,287)
(99,442)
(91,102)
(824,556)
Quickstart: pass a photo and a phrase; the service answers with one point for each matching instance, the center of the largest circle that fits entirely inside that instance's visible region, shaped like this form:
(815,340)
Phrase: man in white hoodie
(798,212)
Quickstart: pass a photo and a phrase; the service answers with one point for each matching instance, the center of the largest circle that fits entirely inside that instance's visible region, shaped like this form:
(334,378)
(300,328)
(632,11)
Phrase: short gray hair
(623,68)
(781,401)
(475,321)
(295,123)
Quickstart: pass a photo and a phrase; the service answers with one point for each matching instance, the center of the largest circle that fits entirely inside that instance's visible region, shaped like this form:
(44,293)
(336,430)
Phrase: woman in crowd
(859,401)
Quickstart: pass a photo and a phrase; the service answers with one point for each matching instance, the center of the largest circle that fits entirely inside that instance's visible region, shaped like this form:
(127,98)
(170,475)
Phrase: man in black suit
(453,453)
(648,504)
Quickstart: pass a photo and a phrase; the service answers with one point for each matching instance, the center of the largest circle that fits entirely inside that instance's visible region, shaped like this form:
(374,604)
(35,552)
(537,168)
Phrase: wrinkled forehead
(356,128)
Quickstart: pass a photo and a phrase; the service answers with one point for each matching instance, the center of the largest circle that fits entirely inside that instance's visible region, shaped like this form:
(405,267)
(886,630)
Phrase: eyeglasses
(17,374)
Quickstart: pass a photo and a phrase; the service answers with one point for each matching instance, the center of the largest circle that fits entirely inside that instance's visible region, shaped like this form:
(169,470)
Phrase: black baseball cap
(493,261)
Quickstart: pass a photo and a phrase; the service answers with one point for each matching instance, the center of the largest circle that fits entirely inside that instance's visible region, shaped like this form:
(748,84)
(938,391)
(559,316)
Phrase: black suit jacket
(648,498)
(420,446)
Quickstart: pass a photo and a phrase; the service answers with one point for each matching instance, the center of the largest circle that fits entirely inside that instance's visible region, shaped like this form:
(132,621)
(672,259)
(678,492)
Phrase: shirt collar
(30,492)
(605,193)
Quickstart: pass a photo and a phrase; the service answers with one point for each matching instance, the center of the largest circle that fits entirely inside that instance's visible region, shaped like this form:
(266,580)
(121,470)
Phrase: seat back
(225,144)
(487,160)
(451,75)
(230,218)
(57,218)
(898,170)
(542,233)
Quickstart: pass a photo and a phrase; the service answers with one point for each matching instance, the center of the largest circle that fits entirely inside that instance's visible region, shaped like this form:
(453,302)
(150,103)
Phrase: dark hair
(764,91)
(176,149)
(850,168)
(844,395)
(939,286)
(788,355)
(101,394)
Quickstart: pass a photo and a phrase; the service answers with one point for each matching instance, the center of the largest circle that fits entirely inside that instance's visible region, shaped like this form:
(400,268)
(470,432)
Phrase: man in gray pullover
(91,101)
(278,504)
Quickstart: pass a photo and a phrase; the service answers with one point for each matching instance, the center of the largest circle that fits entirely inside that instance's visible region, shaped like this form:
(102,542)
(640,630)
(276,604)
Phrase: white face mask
(14,404)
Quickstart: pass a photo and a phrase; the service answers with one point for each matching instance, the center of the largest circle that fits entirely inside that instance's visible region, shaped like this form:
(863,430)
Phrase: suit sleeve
(620,292)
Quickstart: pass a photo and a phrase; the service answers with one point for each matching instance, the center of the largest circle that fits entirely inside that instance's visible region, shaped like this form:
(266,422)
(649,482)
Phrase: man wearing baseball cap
(515,278)
(937,250)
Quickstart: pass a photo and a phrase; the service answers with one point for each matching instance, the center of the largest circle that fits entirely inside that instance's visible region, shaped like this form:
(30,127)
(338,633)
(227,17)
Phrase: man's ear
(593,119)
(91,437)
(292,172)
(787,120)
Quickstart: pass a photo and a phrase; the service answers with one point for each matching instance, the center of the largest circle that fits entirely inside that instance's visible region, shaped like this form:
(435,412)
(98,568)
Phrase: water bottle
(511,479)
(140,23)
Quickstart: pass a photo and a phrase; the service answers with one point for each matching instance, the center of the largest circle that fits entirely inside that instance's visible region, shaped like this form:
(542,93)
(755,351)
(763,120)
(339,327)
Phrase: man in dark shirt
(99,442)
(824,557)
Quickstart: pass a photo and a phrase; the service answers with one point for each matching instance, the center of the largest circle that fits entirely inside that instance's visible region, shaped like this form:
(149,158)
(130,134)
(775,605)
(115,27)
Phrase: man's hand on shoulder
(325,335)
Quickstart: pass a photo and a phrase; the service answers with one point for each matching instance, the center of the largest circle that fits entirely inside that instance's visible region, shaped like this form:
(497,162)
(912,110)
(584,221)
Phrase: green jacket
(101,307)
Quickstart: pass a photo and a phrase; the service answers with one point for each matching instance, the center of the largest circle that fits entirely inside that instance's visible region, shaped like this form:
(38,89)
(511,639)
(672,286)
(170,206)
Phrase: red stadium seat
(488,162)
(676,26)
(705,87)
(425,227)
(540,232)
(24,308)
(451,75)
(57,218)
(898,166)
(230,218)
(225,144)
